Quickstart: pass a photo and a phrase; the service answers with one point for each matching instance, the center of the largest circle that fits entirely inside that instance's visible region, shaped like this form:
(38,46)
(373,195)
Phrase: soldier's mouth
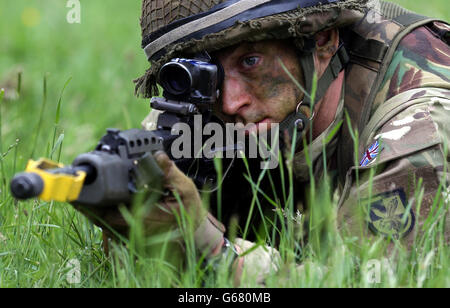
(257,127)
(265,122)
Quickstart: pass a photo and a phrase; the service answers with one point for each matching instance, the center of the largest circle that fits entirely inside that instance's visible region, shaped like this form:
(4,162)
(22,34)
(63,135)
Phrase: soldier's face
(256,88)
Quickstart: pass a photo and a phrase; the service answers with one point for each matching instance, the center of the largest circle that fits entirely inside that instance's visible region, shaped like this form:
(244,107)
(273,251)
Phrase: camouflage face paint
(256,88)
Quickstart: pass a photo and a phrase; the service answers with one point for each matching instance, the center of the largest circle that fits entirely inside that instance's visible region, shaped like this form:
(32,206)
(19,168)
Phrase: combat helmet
(171,28)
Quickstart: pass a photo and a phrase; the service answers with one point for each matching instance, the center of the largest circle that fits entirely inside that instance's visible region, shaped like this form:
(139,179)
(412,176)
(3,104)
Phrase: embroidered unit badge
(387,214)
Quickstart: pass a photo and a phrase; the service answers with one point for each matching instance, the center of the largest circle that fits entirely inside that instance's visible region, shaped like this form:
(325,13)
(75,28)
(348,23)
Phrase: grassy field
(64,85)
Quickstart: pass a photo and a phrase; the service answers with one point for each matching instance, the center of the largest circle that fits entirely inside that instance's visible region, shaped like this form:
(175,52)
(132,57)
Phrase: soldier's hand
(177,184)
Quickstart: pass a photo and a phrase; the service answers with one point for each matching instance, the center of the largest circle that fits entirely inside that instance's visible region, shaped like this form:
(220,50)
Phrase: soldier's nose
(235,97)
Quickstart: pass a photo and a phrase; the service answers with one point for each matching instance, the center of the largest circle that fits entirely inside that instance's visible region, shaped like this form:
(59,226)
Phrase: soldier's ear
(327,43)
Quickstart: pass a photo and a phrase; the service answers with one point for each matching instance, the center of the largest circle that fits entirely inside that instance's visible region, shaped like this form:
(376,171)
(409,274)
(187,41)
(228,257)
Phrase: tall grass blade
(2,94)
(41,116)
(57,118)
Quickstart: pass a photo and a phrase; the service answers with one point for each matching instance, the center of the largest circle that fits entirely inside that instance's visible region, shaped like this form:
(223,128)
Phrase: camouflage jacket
(404,147)
(391,187)
(402,168)
(398,185)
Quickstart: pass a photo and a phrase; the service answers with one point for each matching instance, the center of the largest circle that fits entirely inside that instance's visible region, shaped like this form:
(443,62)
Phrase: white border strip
(200,24)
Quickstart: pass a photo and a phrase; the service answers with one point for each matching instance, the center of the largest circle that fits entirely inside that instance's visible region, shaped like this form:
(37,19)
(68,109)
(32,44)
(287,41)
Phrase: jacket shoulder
(421,60)
(409,122)
(151,120)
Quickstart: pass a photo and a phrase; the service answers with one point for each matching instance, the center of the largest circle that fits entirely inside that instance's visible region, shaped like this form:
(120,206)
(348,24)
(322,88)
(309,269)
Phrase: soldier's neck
(326,108)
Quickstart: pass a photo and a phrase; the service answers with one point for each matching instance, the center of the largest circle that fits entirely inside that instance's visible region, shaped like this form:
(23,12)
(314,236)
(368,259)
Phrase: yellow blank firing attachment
(60,187)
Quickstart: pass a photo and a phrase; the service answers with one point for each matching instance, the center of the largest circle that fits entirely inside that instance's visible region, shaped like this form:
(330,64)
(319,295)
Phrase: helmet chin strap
(301,119)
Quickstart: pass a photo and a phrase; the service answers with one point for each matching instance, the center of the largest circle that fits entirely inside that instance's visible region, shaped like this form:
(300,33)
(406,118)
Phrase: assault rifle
(122,162)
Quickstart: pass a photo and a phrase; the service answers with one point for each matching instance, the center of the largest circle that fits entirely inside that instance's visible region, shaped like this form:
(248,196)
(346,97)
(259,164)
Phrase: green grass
(72,81)
(433,8)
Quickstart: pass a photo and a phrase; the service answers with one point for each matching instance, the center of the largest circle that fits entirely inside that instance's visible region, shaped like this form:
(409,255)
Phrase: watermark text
(74,14)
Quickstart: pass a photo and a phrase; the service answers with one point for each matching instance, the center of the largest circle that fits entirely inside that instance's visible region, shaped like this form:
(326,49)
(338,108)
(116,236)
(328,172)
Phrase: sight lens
(175,78)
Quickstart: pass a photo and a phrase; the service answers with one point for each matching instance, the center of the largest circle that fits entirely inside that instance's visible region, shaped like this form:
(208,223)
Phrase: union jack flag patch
(370,154)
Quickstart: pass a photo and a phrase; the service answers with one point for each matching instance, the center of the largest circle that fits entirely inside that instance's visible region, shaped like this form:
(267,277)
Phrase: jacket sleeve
(150,121)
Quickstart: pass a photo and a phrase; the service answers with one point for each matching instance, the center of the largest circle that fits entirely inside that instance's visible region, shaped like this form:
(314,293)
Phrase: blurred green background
(101,55)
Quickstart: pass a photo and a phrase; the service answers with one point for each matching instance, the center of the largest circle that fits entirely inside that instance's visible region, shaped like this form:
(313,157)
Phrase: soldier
(387,68)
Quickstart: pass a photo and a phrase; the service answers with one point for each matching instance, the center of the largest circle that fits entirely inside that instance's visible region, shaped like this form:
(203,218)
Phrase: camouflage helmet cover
(159,17)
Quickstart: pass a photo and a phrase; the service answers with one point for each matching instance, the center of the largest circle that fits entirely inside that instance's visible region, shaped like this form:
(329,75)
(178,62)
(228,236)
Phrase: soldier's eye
(251,61)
